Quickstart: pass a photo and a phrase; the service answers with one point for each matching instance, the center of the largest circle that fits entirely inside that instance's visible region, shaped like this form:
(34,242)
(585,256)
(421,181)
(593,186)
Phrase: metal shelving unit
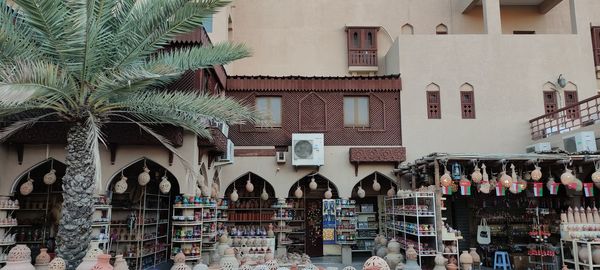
(411,217)
(197,234)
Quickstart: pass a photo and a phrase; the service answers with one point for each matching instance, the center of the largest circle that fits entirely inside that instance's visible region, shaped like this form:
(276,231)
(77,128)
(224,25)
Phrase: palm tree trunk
(74,231)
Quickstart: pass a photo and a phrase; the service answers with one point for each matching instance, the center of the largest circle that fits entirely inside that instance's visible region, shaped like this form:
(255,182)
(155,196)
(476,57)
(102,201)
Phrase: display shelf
(7,236)
(410,218)
(197,234)
(346,222)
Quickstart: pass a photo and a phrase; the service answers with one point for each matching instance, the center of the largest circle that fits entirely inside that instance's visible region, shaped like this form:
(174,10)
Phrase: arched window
(571,100)
(467,101)
(370,39)
(441,29)
(550,100)
(355,40)
(434,108)
(408,29)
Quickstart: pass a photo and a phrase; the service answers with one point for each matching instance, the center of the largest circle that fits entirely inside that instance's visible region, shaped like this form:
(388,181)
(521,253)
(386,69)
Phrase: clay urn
(376,263)
(440,262)
(43,258)
(57,264)
(90,259)
(103,263)
(180,262)
(476,257)
(120,263)
(466,260)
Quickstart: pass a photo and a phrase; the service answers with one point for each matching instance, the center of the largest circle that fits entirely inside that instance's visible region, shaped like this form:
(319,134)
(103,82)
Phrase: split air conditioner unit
(542,147)
(228,155)
(584,141)
(308,149)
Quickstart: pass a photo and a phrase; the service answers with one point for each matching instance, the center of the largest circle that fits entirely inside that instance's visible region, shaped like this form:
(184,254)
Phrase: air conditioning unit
(308,149)
(228,155)
(280,157)
(542,147)
(580,142)
(222,126)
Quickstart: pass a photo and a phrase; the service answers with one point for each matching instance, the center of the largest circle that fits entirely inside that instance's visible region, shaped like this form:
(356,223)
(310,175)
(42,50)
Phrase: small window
(571,101)
(434,110)
(270,107)
(467,100)
(356,112)
(550,103)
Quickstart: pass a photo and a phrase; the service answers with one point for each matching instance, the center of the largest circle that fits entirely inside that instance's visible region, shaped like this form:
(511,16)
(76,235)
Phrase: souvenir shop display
(194,226)
(7,226)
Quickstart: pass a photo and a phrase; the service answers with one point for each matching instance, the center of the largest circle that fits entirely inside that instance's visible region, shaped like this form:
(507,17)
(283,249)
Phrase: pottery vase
(103,263)
(596,254)
(144,177)
(121,185)
(475,256)
(27,187)
(583,254)
(120,263)
(180,263)
(50,177)
(440,262)
(375,263)
(466,260)
(90,259)
(228,261)
(43,258)
(411,253)
(57,264)
(394,257)
(165,185)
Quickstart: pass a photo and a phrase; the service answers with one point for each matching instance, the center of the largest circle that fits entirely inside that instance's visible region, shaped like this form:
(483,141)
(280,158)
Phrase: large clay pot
(90,259)
(475,256)
(596,254)
(466,261)
(19,258)
(394,257)
(103,263)
(43,258)
(411,253)
(583,254)
(120,263)
(440,262)
(180,263)
(228,261)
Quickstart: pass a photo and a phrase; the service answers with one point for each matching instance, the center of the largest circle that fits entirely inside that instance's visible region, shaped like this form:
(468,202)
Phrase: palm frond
(15,36)
(26,80)
(47,19)
(199,57)
(95,136)
(22,124)
(148,28)
(191,111)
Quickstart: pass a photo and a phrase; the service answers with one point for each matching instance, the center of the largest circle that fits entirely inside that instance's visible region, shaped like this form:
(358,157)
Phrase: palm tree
(91,62)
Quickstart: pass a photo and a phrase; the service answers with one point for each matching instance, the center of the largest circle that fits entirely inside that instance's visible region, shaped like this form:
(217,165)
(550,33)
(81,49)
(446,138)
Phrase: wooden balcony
(584,113)
(364,58)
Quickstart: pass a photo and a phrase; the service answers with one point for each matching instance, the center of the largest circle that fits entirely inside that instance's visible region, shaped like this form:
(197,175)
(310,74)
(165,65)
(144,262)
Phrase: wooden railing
(362,58)
(584,113)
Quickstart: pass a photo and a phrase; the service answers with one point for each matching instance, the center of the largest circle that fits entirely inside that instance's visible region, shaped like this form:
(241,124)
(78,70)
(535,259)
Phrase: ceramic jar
(27,187)
(583,254)
(476,257)
(103,263)
(411,253)
(466,261)
(19,258)
(440,262)
(90,259)
(120,263)
(180,262)
(50,177)
(121,185)
(43,258)
(200,266)
(394,257)
(144,177)
(165,185)
(376,263)
(228,261)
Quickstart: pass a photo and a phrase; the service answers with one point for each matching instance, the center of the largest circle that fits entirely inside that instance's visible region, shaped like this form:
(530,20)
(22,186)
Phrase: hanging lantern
(446,179)
(536,174)
(121,185)
(312,185)
(456,172)
(567,177)
(513,173)
(249,185)
(298,193)
(50,177)
(328,194)
(144,176)
(361,192)
(505,180)
(234,195)
(27,187)
(376,185)
(527,176)
(476,176)
(165,185)
(391,192)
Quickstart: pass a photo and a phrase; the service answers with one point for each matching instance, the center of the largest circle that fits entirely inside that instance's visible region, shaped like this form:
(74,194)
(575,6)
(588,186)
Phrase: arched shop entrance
(314,227)
(39,211)
(140,216)
(370,210)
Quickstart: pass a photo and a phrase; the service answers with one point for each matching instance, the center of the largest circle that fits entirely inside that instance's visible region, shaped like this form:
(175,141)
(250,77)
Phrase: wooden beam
(470,6)
(547,5)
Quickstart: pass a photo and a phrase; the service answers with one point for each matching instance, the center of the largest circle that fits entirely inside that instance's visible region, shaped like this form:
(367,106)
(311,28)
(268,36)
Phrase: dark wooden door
(314,227)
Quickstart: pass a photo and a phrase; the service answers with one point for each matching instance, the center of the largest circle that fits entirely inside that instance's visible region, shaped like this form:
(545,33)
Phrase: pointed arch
(466,87)
(570,86)
(432,87)
(322,183)
(407,29)
(367,184)
(549,86)
(259,183)
(313,113)
(441,29)
(37,172)
(132,169)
